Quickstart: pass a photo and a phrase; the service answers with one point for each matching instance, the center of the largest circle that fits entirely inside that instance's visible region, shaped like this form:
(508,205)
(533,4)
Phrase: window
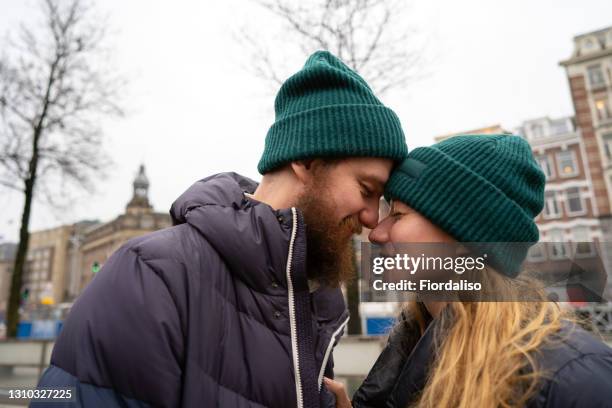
(601,106)
(559,127)
(551,205)
(607,142)
(537,131)
(536,253)
(557,247)
(147,222)
(574,201)
(566,161)
(596,77)
(546,166)
(582,242)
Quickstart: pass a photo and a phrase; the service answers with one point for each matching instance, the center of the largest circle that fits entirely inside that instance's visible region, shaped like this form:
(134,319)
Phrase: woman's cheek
(402,231)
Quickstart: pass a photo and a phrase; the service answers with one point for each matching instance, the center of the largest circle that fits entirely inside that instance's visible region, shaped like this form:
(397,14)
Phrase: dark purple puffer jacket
(213,312)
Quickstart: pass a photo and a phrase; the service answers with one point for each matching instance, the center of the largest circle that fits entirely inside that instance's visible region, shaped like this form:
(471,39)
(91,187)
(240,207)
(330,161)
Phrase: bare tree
(53,93)
(373,37)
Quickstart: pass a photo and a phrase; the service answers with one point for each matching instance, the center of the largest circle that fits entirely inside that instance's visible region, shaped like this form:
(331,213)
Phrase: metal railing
(22,363)
(33,356)
(597,318)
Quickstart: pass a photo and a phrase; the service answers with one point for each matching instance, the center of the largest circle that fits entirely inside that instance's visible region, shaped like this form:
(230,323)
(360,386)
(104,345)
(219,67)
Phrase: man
(238,304)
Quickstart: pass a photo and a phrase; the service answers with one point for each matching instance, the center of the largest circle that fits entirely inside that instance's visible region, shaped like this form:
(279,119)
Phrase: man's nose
(368,217)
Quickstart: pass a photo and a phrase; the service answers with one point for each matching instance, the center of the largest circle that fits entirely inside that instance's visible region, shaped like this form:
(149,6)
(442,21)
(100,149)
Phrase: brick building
(589,72)
(570,210)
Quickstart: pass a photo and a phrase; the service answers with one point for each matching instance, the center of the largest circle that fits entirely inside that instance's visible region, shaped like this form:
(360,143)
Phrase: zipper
(330,346)
(292,323)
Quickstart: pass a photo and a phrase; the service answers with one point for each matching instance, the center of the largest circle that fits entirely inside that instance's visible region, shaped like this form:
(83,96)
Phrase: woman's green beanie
(328,110)
(478,188)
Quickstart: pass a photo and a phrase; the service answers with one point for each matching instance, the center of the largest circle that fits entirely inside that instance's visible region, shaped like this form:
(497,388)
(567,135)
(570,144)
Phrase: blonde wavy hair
(485,352)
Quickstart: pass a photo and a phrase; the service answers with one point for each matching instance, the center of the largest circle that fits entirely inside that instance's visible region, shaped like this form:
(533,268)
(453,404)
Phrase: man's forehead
(374,170)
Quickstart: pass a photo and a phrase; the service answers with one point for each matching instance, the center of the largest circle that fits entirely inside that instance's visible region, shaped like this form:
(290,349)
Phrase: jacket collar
(251,237)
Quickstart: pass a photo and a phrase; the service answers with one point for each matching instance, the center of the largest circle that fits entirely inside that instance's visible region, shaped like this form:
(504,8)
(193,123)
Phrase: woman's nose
(380,234)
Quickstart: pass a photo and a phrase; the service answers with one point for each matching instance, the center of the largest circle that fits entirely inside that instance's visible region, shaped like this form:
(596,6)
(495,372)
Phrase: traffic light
(95,267)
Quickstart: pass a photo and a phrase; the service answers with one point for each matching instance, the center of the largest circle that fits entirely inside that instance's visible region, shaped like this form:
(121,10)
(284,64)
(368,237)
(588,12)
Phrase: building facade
(589,72)
(7,258)
(62,260)
(74,266)
(99,242)
(570,213)
(44,275)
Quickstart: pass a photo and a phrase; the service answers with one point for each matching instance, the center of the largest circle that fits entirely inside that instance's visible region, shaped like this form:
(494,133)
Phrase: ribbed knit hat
(328,110)
(479,189)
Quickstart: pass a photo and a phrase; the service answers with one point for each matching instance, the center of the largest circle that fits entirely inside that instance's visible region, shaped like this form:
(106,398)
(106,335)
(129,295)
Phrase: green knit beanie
(484,189)
(328,110)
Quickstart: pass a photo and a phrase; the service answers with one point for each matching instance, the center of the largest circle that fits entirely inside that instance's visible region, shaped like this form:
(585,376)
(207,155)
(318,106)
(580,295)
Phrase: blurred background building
(139,218)
(7,257)
(570,209)
(61,261)
(575,153)
(589,72)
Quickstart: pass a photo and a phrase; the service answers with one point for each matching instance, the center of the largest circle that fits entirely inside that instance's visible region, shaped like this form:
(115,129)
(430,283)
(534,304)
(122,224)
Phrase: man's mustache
(351,224)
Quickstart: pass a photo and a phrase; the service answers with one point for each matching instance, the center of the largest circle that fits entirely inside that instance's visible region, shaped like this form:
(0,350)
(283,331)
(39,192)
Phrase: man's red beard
(330,253)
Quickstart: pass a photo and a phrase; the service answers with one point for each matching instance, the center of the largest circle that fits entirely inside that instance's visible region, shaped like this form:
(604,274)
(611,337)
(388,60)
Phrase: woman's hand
(338,389)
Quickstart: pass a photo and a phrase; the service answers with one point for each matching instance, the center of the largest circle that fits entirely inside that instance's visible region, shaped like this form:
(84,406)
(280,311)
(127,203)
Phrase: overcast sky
(194,111)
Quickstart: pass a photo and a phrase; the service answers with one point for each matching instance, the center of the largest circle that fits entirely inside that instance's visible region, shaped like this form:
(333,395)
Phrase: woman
(478,188)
